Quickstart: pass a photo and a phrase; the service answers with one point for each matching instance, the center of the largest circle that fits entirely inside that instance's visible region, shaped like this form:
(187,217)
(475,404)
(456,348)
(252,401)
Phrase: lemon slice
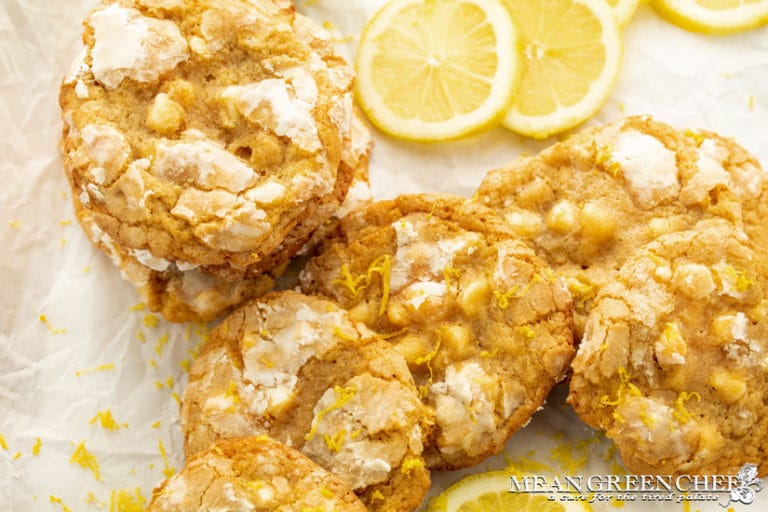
(437,69)
(714,16)
(489,492)
(571,54)
(623,10)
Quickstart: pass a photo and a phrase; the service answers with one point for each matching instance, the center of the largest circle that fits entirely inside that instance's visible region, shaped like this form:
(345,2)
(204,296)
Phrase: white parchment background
(71,345)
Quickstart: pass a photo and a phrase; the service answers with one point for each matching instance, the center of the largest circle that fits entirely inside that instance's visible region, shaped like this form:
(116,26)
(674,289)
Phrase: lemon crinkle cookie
(482,322)
(588,203)
(202,133)
(300,370)
(674,359)
(251,474)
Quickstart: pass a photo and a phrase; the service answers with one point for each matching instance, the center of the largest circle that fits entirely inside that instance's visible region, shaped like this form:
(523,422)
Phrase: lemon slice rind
(691,15)
(623,10)
(502,89)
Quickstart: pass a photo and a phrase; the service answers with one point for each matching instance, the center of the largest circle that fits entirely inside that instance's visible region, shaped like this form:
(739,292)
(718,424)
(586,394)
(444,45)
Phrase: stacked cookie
(660,237)
(205,142)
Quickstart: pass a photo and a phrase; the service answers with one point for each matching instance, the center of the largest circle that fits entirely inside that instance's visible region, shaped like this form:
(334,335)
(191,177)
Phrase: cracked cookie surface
(483,323)
(589,202)
(674,360)
(204,132)
(252,474)
(300,370)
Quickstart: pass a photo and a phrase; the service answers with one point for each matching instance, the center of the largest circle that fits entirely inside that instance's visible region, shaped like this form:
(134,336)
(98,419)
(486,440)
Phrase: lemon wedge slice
(489,492)
(714,16)
(623,10)
(434,70)
(571,55)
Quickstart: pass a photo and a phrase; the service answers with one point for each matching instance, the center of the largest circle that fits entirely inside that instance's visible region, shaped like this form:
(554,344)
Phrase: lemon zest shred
(176,397)
(409,464)
(57,501)
(86,460)
(680,413)
(99,368)
(489,354)
(377,496)
(390,335)
(168,470)
(155,424)
(3,444)
(47,323)
(603,158)
(346,337)
(16,224)
(141,336)
(356,284)
(162,341)
(150,320)
(625,386)
(122,500)
(695,135)
(106,419)
(449,271)
(36,446)
(326,493)
(139,306)
(335,441)
(17,456)
(343,395)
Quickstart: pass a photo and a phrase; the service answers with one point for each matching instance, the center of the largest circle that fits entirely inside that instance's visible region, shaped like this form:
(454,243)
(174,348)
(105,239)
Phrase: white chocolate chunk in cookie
(130,45)
(650,169)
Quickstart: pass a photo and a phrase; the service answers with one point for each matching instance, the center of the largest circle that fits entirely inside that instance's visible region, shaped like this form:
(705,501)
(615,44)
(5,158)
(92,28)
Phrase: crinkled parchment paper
(89,381)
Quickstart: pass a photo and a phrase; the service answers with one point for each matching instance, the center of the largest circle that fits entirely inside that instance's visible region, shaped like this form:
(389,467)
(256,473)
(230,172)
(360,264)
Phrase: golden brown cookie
(674,361)
(299,369)
(483,323)
(252,474)
(588,203)
(204,132)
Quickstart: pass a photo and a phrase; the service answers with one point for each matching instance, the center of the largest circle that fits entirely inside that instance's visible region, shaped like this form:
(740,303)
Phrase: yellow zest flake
(648,421)
(427,358)
(336,441)
(64,223)
(319,508)
(502,299)
(326,493)
(63,242)
(57,501)
(696,136)
(85,459)
(488,354)
(188,332)
(155,424)
(680,413)
(751,103)
(602,348)
(150,320)
(140,306)
(377,496)
(625,386)
(356,284)
(603,158)
(36,447)
(50,327)
(64,195)
(3,444)
(107,420)
(449,272)
(168,471)
(266,362)
(256,484)
(17,456)
(16,224)
(343,395)
(411,463)
(86,269)
(152,363)
(126,501)
(176,397)
(339,333)
(99,368)
(527,331)
(582,292)
(91,498)
(162,341)
(548,275)
(159,385)
(232,394)
(186,365)
(390,335)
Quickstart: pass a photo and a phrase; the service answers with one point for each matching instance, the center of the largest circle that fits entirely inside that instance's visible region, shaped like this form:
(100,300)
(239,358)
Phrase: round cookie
(203,132)
(252,474)
(674,361)
(588,203)
(482,322)
(300,370)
